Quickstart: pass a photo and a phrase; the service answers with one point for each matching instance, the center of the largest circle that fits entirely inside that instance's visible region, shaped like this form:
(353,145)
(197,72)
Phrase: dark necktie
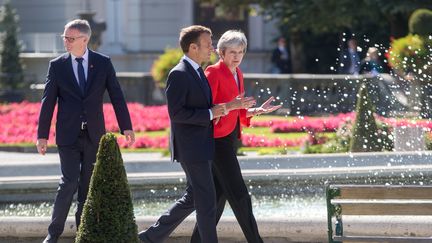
(205,82)
(81,75)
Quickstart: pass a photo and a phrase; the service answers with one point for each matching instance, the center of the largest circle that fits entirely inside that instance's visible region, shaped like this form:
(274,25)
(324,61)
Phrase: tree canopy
(316,28)
(330,15)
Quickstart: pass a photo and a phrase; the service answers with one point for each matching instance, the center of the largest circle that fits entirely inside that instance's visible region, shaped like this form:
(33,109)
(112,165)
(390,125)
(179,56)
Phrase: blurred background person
(349,59)
(281,60)
(372,64)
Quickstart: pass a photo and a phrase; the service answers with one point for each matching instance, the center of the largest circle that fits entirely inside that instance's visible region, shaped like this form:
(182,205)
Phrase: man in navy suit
(191,113)
(76,82)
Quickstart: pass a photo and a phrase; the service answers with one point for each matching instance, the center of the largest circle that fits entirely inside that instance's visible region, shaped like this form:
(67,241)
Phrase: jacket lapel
(229,77)
(90,71)
(199,81)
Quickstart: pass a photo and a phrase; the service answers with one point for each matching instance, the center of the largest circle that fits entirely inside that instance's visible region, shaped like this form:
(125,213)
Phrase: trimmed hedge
(108,212)
(365,130)
(420,22)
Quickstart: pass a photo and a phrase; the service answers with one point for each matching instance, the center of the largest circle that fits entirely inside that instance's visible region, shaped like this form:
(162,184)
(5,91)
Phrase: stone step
(16,164)
(272,229)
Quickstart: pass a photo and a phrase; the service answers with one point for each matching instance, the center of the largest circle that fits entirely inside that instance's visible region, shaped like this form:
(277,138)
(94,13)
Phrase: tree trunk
(297,53)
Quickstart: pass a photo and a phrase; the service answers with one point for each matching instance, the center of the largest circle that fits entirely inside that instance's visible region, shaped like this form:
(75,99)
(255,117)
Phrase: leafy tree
(11,67)
(108,212)
(331,15)
(365,131)
(305,22)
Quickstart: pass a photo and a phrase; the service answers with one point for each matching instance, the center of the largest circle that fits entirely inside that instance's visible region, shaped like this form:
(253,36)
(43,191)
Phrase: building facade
(137,31)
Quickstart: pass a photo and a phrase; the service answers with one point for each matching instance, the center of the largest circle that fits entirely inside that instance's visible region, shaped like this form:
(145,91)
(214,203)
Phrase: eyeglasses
(71,39)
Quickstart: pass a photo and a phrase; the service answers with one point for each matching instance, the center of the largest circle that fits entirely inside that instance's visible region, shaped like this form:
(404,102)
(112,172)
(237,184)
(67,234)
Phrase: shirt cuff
(211,114)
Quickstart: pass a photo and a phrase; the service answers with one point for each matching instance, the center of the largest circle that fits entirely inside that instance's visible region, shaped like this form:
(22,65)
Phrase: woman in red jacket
(226,82)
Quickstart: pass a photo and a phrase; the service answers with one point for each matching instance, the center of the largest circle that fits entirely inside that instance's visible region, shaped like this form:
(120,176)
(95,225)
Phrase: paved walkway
(26,166)
(27,171)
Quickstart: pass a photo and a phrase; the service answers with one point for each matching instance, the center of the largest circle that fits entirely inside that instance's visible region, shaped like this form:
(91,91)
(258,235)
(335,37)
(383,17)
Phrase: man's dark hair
(191,35)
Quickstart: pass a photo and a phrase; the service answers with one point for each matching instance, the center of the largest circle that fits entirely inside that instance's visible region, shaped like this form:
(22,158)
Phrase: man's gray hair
(232,38)
(81,25)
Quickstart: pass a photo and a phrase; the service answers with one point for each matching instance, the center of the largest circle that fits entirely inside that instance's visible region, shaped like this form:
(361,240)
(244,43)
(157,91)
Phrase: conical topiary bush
(108,212)
(11,67)
(365,131)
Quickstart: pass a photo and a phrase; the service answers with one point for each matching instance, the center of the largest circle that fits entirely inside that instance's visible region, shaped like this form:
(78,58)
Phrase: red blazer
(224,88)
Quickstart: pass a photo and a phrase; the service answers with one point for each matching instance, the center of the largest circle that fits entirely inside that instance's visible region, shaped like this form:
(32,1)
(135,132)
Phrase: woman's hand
(265,108)
(240,102)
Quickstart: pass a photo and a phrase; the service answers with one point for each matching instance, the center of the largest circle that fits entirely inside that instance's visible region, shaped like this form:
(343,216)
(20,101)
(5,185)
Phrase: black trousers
(200,196)
(76,162)
(230,186)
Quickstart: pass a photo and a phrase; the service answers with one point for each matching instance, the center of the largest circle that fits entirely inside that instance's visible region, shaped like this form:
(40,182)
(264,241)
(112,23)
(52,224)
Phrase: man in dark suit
(281,58)
(349,59)
(191,113)
(76,82)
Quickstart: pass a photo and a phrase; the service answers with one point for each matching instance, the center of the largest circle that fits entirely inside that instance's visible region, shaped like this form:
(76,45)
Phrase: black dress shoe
(51,239)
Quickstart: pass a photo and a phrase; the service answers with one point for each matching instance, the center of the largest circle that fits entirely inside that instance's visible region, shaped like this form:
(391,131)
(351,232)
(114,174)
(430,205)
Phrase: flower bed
(249,140)
(305,124)
(144,118)
(18,125)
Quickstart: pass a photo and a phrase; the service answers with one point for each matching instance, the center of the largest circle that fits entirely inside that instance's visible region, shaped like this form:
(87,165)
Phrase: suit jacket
(191,137)
(224,88)
(346,58)
(283,65)
(62,89)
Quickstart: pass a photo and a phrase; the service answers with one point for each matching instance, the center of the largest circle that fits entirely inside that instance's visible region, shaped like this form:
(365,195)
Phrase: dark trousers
(200,196)
(77,162)
(230,186)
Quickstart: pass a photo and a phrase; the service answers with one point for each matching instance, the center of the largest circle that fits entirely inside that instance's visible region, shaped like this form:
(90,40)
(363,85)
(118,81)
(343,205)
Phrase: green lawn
(265,131)
(150,133)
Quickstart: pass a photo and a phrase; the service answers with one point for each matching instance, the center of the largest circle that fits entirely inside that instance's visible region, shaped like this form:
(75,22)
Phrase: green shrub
(309,148)
(108,212)
(420,22)
(411,53)
(163,65)
(428,140)
(340,143)
(365,130)
(385,136)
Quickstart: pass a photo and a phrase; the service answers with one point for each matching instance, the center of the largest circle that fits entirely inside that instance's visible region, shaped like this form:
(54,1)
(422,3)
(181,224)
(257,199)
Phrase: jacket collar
(227,72)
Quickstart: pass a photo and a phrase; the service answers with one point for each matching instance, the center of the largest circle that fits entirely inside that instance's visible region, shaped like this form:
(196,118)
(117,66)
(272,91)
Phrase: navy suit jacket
(62,88)
(191,137)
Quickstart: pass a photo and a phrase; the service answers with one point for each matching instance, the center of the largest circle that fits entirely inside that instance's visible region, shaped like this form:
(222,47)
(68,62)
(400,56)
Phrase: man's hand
(219,110)
(130,137)
(240,102)
(41,145)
